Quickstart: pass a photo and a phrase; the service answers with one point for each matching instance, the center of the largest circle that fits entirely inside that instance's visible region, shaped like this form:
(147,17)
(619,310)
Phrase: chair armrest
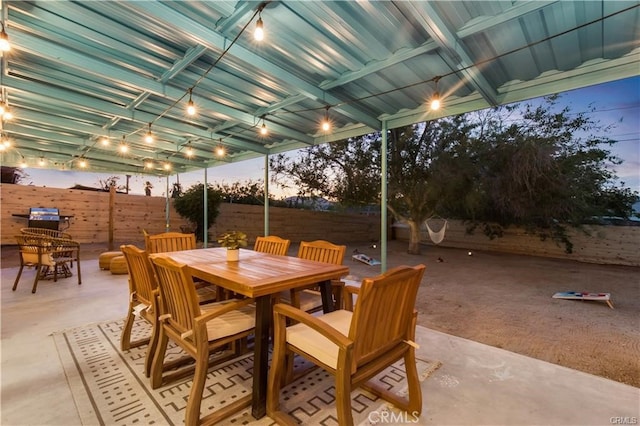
(287,311)
(224,307)
(348,290)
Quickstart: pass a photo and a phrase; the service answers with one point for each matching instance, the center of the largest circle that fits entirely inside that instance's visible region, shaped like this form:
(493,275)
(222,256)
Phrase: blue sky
(616,102)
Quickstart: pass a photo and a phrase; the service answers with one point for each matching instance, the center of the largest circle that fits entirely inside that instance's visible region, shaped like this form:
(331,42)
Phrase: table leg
(264,318)
(327,296)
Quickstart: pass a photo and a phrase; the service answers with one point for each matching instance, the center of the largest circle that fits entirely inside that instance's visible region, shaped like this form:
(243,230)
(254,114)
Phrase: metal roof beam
(208,37)
(455,53)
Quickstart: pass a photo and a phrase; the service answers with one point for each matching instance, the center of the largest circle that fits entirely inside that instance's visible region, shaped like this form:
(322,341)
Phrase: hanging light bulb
(6,142)
(42,162)
(220,151)
(189,150)
(82,163)
(148,164)
(123,148)
(23,163)
(326,124)
(5,46)
(148,138)
(191,107)
(167,166)
(6,112)
(104,141)
(435,99)
(2,148)
(263,130)
(3,108)
(258,34)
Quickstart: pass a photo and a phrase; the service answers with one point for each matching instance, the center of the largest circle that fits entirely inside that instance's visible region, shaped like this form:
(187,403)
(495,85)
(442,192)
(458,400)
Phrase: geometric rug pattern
(109,386)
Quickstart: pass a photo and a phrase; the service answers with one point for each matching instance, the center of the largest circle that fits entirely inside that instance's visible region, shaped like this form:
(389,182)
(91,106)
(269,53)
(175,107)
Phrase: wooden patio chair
(143,294)
(200,331)
(309,300)
(143,301)
(169,241)
(353,346)
(272,244)
(46,232)
(51,257)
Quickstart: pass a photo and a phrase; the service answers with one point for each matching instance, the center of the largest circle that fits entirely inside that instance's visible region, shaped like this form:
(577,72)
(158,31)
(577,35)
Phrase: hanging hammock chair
(437,236)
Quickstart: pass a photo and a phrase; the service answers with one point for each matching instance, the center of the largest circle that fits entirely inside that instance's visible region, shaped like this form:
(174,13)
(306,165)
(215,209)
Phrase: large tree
(541,167)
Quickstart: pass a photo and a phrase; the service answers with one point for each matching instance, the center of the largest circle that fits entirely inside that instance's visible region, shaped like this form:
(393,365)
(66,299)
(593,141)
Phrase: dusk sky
(615,103)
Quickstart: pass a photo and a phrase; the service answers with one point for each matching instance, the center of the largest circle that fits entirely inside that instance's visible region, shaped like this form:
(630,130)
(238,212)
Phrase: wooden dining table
(260,276)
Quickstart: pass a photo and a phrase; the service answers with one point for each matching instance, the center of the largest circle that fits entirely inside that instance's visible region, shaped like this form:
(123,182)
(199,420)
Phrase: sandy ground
(505,301)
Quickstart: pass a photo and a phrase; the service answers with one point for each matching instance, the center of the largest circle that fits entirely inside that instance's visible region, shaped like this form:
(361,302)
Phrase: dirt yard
(505,301)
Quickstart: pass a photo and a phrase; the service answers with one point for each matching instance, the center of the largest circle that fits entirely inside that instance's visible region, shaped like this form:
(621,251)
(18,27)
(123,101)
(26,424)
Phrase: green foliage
(346,171)
(539,167)
(233,240)
(190,205)
(248,192)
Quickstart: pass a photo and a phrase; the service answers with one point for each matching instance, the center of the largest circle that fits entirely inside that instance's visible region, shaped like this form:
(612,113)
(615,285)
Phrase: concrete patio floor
(477,384)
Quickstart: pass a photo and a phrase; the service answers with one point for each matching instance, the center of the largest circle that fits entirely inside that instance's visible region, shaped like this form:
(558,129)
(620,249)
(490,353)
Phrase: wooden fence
(130,214)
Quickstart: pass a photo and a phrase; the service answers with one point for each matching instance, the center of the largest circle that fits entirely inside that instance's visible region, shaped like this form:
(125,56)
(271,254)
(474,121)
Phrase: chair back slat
(178,296)
(388,301)
(170,241)
(322,251)
(141,275)
(272,244)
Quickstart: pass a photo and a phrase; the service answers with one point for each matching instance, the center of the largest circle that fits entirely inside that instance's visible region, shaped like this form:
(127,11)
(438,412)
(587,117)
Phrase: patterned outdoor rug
(109,386)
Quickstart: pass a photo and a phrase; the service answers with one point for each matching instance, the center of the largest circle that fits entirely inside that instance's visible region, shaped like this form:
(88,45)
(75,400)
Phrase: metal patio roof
(81,70)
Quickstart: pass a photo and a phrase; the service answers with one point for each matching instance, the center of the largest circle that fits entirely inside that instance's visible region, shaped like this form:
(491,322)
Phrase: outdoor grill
(45,217)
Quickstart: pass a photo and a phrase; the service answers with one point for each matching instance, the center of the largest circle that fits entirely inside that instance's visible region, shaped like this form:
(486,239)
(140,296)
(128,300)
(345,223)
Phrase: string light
(5,46)
(5,112)
(220,151)
(42,162)
(258,34)
(6,142)
(104,141)
(326,124)
(148,138)
(191,108)
(123,148)
(23,163)
(263,130)
(435,99)
(189,151)
(82,163)
(148,164)
(167,166)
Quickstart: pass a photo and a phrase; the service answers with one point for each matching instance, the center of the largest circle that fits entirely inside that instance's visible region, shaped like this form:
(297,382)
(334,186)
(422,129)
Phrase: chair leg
(415,391)
(158,359)
(35,281)
(277,372)
(15,283)
(343,397)
(192,415)
(151,349)
(78,268)
(125,337)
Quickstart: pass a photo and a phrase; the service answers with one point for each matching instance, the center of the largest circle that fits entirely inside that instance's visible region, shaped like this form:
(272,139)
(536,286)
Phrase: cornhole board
(365,259)
(578,295)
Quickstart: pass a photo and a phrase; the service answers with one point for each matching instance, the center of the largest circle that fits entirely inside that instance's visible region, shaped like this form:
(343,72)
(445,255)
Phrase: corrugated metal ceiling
(81,70)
